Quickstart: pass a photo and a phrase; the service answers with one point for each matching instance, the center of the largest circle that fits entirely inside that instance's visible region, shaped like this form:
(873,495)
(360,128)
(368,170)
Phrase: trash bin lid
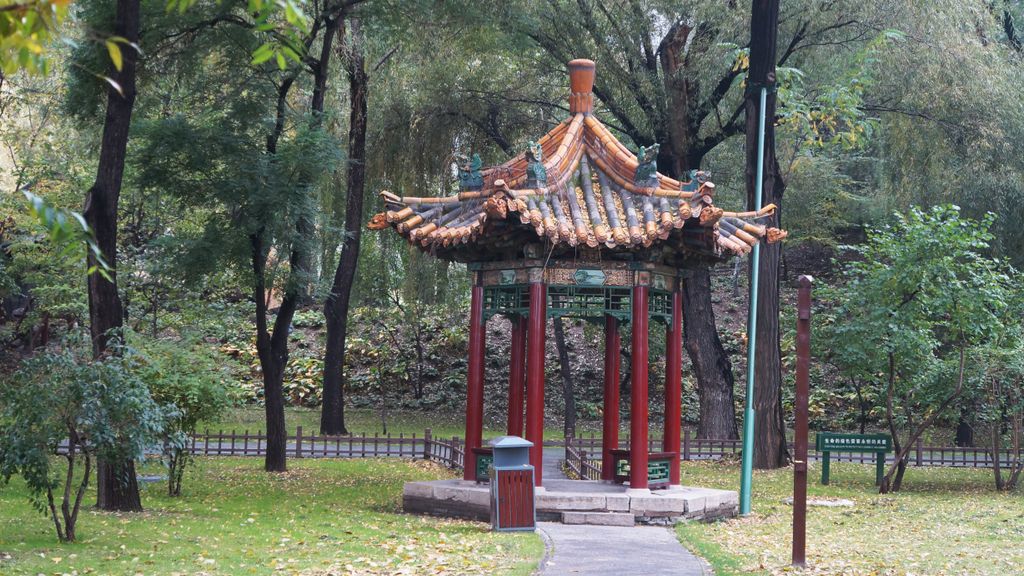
(510,442)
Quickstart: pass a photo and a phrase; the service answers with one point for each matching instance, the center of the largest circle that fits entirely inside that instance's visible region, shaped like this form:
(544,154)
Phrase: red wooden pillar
(638,393)
(535,377)
(517,377)
(674,384)
(475,382)
(610,430)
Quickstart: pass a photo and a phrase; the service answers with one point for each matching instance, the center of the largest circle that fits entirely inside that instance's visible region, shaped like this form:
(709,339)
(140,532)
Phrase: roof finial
(581,84)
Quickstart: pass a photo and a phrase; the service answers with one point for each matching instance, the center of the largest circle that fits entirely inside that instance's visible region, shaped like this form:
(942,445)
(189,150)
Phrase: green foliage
(26,27)
(920,286)
(410,357)
(920,298)
(67,230)
(45,282)
(308,319)
(98,408)
(995,403)
(187,378)
(7,284)
(216,163)
(834,114)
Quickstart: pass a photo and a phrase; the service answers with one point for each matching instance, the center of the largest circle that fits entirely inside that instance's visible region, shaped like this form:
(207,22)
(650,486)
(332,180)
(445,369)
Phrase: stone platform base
(576,502)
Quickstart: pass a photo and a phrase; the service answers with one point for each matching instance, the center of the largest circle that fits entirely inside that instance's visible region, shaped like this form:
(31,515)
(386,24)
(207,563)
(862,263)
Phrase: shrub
(188,377)
(63,403)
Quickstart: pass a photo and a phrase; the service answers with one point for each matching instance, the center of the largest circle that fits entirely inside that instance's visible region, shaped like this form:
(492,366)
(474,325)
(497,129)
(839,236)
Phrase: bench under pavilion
(577,226)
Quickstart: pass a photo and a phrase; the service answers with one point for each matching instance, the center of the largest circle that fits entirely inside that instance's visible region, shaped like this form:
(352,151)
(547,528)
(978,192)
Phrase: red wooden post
(517,377)
(674,384)
(474,381)
(638,444)
(803,360)
(535,377)
(610,428)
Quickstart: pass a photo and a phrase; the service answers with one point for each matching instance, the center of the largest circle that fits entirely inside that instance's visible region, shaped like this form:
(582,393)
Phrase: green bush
(61,402)
(191,378)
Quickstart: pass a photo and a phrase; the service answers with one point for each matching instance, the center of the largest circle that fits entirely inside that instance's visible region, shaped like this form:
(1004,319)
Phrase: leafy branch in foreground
(67,229)
(26,26)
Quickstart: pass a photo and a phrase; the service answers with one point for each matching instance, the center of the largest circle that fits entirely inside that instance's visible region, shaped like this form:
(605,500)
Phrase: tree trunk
(997,448)
(273,364)
(118,487)
(332,418)
(105,311)
(770,449)
(711,365)
(862,403)
(903,449)
(1016,464)
(565,371)
(901,469)
(964,432)
(272,347)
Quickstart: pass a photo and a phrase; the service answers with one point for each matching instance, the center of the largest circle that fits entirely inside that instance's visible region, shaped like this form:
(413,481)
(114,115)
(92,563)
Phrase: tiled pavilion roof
(577,186)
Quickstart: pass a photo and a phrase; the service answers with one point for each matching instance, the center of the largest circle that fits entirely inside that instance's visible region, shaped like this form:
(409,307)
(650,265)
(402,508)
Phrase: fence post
(426,444)
(686,445)
(920,455)
(803,360)
(298,441)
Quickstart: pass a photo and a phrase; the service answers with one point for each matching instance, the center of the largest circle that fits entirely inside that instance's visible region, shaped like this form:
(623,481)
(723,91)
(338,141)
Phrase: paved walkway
(553,464)
(614,551)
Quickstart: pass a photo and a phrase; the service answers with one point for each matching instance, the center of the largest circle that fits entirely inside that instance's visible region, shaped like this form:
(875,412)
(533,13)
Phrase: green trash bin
(512,505)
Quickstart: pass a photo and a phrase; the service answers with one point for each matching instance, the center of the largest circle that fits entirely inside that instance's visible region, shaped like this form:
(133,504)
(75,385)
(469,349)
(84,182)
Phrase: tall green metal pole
(746,475)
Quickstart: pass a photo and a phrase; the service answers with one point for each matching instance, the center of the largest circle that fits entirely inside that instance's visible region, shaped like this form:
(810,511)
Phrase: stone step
(599,518)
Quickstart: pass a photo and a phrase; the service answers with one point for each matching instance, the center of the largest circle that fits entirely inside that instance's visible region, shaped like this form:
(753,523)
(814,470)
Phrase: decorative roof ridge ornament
(776,235)
(646,175)
(470,177)
(536,173)
(581,86)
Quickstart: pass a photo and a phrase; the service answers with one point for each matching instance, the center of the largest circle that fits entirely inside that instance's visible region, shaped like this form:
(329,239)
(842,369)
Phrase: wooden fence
(448,451)
(693,448)
(583,454)
(580,464)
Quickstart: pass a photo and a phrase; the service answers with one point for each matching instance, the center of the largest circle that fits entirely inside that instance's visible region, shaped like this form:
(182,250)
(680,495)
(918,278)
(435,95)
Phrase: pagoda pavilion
(577,226)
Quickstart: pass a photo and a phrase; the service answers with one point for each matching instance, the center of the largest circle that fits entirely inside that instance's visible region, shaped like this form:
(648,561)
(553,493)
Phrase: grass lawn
(360,421)
(945,522)
(322,517)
